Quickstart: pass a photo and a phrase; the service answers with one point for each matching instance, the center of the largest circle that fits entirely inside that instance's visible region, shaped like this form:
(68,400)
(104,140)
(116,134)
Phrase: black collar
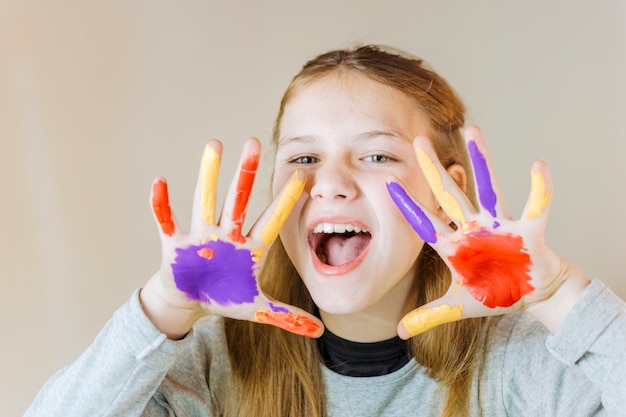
(363,359)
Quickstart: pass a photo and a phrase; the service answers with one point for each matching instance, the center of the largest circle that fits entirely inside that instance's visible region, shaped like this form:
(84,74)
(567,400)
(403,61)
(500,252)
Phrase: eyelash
(300,160)
(380,159)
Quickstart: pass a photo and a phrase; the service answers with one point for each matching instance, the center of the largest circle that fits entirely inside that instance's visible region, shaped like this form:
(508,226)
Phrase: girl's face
(345,236)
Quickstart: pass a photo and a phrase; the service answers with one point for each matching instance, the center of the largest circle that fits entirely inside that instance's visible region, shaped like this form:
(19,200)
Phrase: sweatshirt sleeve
(117,375)
(593,339)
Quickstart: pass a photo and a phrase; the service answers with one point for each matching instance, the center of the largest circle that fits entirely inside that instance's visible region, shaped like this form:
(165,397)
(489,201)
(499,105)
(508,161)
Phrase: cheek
(280,177)
(289,232)
(417,186)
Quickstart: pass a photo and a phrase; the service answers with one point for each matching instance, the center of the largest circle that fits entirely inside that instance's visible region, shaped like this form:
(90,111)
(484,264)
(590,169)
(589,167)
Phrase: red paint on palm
(244,187)
(161,207)
(494,268)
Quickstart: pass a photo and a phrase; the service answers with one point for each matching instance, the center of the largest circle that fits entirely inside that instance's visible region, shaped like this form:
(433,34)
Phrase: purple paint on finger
(486,194)
(416,217)
(278,309)
(226,277)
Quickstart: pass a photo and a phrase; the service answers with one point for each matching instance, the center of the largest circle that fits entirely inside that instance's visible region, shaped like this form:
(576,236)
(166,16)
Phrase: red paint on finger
(495,268)
(161,207)
(244,188)
(294,323)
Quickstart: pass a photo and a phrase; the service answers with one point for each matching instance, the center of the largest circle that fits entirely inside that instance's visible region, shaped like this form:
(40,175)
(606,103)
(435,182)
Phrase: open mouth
(338,243)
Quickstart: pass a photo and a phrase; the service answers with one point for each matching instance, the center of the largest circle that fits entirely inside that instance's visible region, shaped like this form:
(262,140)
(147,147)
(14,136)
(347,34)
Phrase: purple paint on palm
(416,217)
(486,194)
(226,278)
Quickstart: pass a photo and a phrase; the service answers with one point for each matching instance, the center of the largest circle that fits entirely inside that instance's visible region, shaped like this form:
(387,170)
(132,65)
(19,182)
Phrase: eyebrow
(296,139)
(365,135)
(390,134)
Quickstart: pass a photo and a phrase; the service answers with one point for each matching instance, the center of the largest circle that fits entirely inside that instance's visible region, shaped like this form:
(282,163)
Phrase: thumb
(289,318)
(428,316)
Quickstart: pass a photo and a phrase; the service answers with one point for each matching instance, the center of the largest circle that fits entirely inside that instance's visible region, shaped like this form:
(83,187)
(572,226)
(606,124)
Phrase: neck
(376,323)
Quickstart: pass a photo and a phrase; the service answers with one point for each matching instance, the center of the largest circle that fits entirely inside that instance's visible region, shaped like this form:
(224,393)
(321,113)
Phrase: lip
(330,270)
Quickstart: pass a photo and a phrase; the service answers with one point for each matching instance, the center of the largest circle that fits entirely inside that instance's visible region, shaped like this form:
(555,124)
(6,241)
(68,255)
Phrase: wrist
(552,311)
(169,319)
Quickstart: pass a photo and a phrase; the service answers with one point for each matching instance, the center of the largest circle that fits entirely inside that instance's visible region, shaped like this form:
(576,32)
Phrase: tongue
(340,250)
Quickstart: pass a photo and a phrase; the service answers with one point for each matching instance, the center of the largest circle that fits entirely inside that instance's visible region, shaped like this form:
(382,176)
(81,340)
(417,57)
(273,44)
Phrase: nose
(332,182)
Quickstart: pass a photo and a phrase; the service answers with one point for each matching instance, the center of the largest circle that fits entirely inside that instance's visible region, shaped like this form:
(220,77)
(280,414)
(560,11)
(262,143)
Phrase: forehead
(351,101)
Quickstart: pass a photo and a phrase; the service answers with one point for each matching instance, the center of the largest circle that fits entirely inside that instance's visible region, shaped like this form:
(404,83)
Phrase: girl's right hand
(213,269)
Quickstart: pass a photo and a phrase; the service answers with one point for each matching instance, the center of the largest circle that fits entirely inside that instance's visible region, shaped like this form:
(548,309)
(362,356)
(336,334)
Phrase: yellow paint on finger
(423,319)
(291,193)
(538,199)
(209,169)
(450,204)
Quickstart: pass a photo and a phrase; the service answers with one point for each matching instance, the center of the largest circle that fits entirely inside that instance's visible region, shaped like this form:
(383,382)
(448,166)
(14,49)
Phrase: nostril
(332,191)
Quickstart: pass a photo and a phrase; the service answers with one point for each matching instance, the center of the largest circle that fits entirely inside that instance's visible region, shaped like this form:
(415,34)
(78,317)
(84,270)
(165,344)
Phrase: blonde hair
(276,373)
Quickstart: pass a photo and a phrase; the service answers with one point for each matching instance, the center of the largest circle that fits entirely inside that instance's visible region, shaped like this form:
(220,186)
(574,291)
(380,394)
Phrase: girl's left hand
(498,264)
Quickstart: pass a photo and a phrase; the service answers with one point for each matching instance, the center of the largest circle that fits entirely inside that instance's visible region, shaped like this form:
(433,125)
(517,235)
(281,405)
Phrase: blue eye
(377,158)
(306,159)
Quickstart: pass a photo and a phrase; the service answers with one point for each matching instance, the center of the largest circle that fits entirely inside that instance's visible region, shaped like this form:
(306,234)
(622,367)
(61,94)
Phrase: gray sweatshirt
(131,369)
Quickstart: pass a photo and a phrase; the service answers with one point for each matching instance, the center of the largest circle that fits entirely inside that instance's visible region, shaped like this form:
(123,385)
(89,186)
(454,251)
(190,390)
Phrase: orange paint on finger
(291,322)
(244,188)
(161,207)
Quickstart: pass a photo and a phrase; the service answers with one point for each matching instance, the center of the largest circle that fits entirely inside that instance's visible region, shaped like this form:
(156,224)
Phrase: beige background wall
(99,97)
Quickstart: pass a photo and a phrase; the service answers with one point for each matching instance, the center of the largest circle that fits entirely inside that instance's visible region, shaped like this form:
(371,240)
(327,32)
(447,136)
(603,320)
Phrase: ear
(458,174)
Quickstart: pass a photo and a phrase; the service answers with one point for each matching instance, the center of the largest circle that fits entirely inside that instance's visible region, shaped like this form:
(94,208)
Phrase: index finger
(269,224)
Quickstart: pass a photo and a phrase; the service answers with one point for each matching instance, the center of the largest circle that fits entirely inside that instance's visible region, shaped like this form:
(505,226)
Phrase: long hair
(276,373)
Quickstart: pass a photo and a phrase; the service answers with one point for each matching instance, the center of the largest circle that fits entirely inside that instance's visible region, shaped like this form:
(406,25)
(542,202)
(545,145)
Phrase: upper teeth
(337,228)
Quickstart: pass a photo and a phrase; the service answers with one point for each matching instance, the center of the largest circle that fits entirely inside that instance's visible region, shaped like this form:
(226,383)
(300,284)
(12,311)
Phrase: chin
(338,296)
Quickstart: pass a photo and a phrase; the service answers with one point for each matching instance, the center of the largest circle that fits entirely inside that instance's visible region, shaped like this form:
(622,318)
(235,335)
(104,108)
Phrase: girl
(376,250)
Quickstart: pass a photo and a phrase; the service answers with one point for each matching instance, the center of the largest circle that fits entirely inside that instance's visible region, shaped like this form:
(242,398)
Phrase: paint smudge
(494,268)
(278,309)
(209,169)
(292,322)
(161,207)
(225,278)
(257,254)
(447,201)
(423,319)
(244,188)
(538,198)
(206,253)
(487,195)
(416,217)
(287,200)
